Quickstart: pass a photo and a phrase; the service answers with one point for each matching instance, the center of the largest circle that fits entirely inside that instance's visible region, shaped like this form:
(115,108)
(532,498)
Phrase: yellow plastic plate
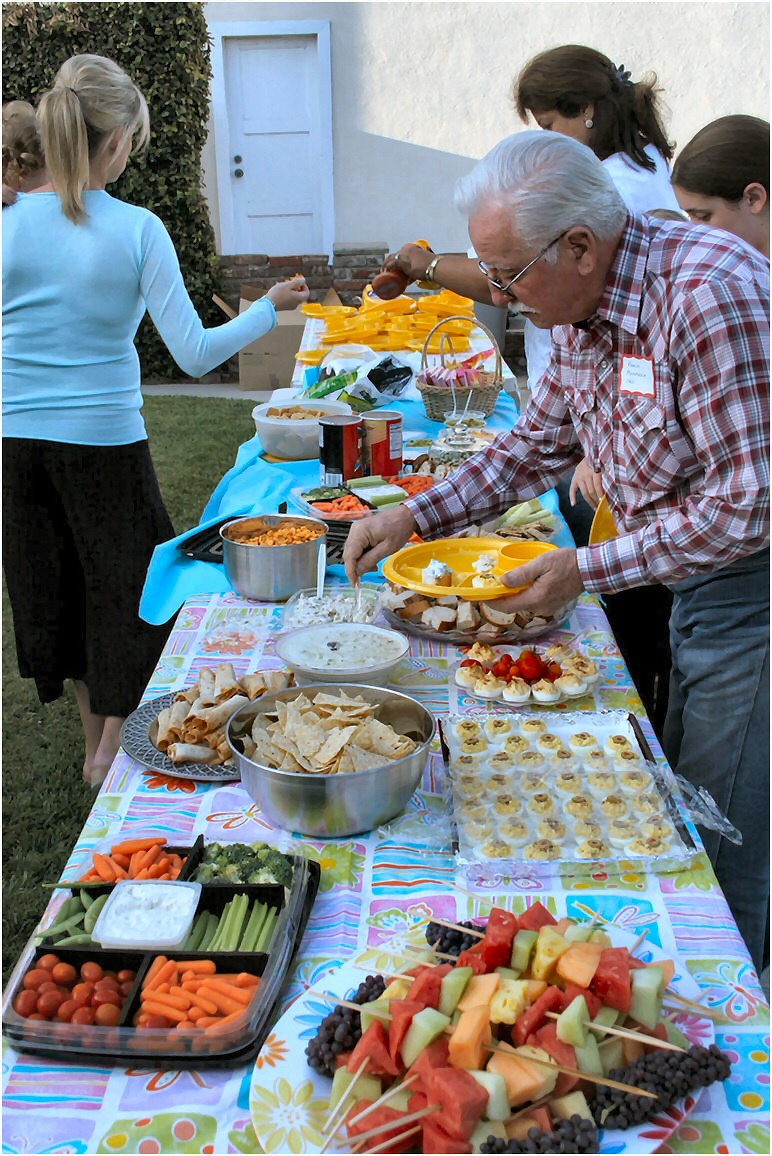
(603,525)
(406,566)
(310,356)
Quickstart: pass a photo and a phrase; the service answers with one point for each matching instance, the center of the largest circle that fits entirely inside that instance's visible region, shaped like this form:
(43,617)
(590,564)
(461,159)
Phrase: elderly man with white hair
(660,378)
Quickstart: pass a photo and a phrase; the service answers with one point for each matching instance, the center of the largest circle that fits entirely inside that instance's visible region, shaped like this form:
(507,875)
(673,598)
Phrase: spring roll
(212,718)
(226,684)
(191,753)
(189,694)
(206,682)
(164,737)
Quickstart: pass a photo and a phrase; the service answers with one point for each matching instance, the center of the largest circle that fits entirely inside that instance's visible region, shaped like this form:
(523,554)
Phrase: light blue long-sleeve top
(73,298)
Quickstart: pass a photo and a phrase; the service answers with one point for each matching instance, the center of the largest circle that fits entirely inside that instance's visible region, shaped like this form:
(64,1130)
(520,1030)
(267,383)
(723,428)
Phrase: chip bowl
(293,439)
(330,806)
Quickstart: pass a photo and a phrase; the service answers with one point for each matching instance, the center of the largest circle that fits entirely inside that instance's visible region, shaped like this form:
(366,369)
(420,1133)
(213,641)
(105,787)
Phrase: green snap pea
(93,913)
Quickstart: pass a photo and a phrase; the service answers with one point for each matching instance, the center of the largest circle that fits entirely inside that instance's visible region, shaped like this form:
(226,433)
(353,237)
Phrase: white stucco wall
(422,89)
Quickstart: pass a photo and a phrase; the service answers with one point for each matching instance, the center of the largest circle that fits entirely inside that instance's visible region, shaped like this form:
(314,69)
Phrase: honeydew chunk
(578,932)
(549,948)
(612,1054)
(375,1009)
(479,991)
(425,1027)
(509,1001)
(606,1016)
(676,1036)
(399,1101)
(368,1087)
(506,972)
(522,948)
(588,1057)
(452,988)
(483,1131)
(571,1023)
(495,1086)
(598,936)
(647,986)
(572,1104)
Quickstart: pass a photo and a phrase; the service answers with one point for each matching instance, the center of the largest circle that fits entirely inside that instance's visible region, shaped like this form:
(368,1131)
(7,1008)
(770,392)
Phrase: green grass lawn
(45,801)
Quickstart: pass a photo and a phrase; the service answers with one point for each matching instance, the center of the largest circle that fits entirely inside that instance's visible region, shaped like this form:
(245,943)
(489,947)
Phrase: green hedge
(166,49)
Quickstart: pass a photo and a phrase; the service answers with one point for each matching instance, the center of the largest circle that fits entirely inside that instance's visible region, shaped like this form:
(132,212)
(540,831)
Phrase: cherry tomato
(126,987)
(106,995)
(157,1022)
(49,1003)
(81,994)
(66,1010)
(514,672)
(26,1003)
(64,973)
(82,1015)
(503,666)
(107,1015)
(531,666)
(48,961)
(126,976)
(49,986)
(109,974)
(107,983)
(554,671)
(37,1016)
(35,976)
(91,972)
(470,662)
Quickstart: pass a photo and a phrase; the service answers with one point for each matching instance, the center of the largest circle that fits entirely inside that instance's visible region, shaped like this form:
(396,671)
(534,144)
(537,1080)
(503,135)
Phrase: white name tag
(637,376)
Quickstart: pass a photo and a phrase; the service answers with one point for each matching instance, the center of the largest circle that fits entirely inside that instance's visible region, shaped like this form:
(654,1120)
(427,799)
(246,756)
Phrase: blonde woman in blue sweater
(82,510)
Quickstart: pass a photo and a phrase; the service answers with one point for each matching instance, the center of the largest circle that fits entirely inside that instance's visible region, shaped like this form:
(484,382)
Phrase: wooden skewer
(388,1095)
(411,1118)
(439,954)
(384,1015)
(631,1088)
(388,1145)
(336,1116)
(458,927)
(693,1008)
(638,941)
(625,1034)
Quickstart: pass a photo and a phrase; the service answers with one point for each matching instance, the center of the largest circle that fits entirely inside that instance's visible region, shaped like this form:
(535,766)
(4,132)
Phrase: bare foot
(95,773)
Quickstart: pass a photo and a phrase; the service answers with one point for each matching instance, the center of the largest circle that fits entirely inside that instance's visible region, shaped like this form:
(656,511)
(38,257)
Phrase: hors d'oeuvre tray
(184,970)
(515,1033)
(569,795)
(526,677)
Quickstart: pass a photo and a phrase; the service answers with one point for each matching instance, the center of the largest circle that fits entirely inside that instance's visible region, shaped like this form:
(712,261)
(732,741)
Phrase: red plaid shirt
(685,463)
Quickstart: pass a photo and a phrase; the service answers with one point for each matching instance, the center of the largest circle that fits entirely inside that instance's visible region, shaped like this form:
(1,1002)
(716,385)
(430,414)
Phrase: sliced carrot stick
(157,871)
(134,863)
(121,860)
(168,971)
(129,846)
(104,867)
(118,871)
(150,856)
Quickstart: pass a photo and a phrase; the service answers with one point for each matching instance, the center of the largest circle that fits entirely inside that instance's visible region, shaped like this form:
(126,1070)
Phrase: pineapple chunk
(397,989)
(549,948)
(509,1001)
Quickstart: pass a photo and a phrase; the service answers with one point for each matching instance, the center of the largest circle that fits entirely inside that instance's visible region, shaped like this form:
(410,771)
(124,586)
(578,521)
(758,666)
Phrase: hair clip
(622,75)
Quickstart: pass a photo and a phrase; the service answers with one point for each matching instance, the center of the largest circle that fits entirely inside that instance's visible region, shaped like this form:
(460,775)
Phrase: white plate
(289,1101)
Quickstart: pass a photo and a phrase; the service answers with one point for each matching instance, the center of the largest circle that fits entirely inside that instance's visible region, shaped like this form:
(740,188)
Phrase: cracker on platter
(327,735)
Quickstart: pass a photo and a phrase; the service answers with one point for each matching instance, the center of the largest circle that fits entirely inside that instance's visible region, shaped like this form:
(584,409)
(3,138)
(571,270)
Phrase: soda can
(341,441)
(383,442)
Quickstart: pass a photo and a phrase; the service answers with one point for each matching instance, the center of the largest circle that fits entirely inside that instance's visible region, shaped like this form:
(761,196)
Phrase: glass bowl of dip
(337,652)
(147,913)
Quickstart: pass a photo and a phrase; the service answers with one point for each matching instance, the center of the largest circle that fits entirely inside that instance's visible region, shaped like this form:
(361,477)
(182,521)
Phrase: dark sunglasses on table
(505,288)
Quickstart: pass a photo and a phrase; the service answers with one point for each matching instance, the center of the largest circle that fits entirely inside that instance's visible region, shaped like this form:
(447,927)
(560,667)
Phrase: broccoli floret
(212,851)
(232,873)
(272,867)
(238,853)
(205,873)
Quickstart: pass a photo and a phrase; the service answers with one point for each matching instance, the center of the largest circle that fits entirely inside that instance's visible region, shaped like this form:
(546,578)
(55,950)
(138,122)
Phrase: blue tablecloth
(254,485)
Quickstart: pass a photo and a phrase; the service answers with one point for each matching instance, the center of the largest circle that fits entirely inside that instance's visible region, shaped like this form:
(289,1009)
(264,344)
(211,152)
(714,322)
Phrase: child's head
(93,112)
(22,151)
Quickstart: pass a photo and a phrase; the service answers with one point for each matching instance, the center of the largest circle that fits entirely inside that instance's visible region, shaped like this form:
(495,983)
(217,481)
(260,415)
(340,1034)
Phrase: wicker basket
(438,399)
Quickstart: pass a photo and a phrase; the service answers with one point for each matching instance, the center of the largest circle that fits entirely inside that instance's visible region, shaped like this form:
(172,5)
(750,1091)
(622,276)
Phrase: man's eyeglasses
(505,288)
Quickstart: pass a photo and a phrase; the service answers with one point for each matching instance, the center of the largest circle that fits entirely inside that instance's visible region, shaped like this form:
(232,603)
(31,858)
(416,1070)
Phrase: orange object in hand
(393,282)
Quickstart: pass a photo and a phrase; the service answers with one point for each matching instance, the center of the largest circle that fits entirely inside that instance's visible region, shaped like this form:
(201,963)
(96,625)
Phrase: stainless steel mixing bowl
(329,806)
(271,573)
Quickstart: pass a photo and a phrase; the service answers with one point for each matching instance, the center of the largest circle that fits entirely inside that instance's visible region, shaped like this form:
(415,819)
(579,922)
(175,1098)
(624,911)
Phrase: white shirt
(642,191)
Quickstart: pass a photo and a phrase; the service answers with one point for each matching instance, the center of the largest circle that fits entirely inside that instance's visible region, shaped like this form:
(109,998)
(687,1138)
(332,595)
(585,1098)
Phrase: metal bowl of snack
(291,431)
(330,776)
(337,652)
(270,556)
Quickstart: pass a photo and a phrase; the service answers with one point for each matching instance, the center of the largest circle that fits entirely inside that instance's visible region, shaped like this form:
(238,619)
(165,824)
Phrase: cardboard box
(269,363)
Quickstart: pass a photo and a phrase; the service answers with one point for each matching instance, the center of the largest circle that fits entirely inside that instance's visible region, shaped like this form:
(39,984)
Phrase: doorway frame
(241,30)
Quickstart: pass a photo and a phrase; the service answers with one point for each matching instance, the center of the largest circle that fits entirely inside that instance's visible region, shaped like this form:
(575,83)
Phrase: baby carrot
(207,1021)
(150,857)
(158,870)
(199,1001)
(121,860)
(154,968)
(154,1008)
(134,863)
(197,965)
(182,1003)
(104,868)
(223,1002)
(195,1014)
(118,871)
(129,846)
(224,1022)
(241,995)
(168,971)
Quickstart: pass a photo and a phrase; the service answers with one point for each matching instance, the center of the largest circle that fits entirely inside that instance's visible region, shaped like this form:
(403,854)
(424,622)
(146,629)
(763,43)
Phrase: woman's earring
(589,122)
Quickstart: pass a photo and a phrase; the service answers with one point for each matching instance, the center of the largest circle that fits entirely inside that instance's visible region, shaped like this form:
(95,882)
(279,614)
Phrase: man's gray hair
(551,183)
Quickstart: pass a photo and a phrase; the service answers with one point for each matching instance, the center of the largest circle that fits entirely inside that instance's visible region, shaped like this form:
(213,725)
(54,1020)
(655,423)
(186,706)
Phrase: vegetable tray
(116,1037)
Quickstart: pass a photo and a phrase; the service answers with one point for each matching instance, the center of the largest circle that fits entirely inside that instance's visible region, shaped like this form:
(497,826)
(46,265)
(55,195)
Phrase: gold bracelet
(429,280)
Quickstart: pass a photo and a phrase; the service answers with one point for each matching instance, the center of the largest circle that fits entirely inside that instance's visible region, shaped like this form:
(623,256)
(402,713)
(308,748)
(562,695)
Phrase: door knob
(239,173)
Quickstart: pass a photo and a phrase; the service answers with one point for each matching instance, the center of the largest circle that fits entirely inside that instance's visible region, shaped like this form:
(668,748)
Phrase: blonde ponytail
(92,97)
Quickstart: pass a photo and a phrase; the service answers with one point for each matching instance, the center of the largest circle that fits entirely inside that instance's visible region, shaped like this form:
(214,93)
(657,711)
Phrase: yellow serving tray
(406,567)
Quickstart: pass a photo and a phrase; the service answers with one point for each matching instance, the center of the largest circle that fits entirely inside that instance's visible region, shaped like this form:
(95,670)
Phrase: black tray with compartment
(163,1046)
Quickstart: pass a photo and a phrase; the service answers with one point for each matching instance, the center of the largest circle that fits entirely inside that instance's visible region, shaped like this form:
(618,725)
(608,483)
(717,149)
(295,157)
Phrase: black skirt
(79,527)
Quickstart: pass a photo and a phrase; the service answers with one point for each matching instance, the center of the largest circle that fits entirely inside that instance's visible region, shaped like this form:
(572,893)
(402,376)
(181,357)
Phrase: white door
(278,168)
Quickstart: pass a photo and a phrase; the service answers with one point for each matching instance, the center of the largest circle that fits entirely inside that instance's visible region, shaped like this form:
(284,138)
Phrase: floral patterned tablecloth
(371,887)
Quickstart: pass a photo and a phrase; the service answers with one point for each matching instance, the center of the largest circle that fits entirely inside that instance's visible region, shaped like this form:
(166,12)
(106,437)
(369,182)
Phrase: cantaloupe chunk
(668,969)
(536,987)
(467,1044)
(579,963)
(479,991)
(562,925)
(525,1080)
(518,1128)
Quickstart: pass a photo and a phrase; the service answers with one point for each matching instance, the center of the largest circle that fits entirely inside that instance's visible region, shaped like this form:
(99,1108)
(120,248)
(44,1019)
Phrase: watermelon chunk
(611,982)
(552,999)
(374,1045)
(402,1012)
(433,1056)
(594,1004)
(499,934)
(473,957)
(536,916)
(378,1119)
(437,1140)
(547,1038)
(426,988)
(463,1100)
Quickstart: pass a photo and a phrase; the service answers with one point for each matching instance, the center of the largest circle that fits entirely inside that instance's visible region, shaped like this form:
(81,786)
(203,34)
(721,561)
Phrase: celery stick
(222,924)
(212,923)
(254,923)
(266,932)
(241,907)
(197,932)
